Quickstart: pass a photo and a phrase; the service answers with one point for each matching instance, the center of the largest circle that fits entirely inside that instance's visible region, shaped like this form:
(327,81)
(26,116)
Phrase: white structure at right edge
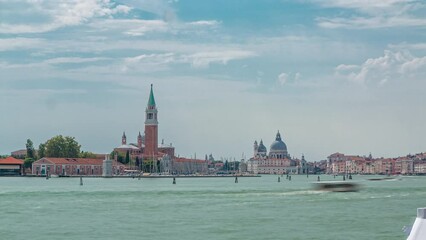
(418,232)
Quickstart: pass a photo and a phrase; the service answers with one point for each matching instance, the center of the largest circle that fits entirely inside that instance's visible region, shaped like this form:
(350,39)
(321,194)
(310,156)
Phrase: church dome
(278,145)
(261,148)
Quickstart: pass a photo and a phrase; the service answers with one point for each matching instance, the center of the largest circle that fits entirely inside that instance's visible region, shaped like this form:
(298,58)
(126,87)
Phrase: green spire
(151,101)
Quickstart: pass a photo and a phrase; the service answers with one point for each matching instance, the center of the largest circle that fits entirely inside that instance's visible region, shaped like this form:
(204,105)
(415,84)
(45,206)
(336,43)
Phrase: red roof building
(11,166)
(72,167)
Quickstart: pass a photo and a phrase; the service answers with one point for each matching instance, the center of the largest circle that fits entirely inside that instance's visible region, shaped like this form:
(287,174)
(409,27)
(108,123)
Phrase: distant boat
(54,175)
(385,179)
(336,186)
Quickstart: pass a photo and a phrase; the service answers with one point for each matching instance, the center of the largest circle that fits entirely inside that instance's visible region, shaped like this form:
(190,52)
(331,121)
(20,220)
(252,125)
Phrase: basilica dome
(278,148)
(261,148)
(278,145)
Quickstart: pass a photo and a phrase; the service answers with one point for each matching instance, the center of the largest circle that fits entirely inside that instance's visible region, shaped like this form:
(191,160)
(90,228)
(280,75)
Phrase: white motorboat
(337,186)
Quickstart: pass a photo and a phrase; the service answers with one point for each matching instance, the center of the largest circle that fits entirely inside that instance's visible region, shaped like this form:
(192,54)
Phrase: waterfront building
(339,163)
(73,167)
(11,166)
(278,161)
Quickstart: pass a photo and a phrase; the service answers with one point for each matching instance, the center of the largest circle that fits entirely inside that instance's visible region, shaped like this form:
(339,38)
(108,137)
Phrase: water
(205,208)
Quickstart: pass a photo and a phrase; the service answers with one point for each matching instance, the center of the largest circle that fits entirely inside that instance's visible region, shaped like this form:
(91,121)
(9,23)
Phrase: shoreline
(137,176)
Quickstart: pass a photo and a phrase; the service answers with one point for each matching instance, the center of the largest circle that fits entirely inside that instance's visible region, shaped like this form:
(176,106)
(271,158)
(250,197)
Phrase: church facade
(147,148)
(277,161)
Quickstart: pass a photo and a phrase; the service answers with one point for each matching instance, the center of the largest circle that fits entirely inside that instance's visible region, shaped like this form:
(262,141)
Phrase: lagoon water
(205,208)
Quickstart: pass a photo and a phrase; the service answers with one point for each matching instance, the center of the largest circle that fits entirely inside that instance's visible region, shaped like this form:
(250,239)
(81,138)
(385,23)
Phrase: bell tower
(151,127)
(123,139)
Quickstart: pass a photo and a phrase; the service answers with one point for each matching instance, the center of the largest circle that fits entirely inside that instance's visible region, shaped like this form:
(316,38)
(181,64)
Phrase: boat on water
(337,186)
(385,179)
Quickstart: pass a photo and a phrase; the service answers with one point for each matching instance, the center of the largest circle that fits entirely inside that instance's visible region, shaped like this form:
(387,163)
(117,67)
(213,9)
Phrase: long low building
(73,167)
(11,166)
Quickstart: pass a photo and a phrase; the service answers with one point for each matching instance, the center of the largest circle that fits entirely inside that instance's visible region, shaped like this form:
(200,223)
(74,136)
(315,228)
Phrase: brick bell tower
(151,127)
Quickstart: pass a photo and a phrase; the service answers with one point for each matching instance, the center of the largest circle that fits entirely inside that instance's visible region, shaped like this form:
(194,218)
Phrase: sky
(332,76)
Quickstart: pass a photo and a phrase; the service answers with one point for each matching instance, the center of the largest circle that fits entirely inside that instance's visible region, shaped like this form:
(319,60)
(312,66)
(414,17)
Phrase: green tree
(120,158)
(137,162)
(28,163)
(84,154)
(60,146)
(30,149)
(147,165)
(41,150)
(158,166)
(127,157)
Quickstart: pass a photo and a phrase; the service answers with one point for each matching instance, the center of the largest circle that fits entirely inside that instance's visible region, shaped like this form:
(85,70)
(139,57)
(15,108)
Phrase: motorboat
(336,186)
(385,179)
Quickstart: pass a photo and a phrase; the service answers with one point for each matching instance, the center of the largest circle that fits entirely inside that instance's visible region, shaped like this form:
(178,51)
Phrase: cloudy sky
(331,75)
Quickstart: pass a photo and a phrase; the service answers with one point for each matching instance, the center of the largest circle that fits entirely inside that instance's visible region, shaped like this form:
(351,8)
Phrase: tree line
(58,147)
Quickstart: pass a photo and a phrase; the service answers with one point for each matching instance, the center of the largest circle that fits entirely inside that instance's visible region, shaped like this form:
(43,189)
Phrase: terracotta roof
(336,154)
(76,161)
(11,160)
(355,158)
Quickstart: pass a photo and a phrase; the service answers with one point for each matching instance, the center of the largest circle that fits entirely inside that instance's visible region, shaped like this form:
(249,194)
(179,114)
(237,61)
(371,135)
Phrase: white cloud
(133,27)
(297,76)
(161,8)
(139,27)
(73,60)
(282,78)
(365,5)
(411,46)
(211,23)
(8,44)
(198,60)
(393,66)
(370,22)
(148,62)
(62,13)
(374,14)
(204,59)
(286,78)
(345,68)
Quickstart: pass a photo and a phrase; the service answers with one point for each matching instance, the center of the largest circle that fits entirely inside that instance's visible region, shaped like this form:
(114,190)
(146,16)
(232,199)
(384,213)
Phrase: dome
(278,145)
(261,148)
(127,147)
